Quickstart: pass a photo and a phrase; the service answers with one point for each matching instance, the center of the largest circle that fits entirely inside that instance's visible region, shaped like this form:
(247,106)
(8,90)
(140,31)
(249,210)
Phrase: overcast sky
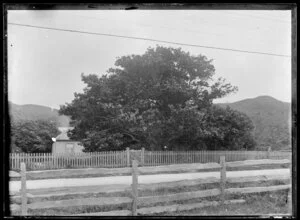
(44,66)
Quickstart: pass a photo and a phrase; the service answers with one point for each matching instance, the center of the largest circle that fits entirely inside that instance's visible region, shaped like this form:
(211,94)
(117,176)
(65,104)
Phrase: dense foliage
(161,98)
(32,136)
(271,119)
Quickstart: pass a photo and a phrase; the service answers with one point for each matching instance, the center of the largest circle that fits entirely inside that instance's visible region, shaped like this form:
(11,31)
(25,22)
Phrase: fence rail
(221,191)
(147,205)
(115,159)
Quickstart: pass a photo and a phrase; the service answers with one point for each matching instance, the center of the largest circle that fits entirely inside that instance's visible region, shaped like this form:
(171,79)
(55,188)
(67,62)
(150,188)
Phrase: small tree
(33,136)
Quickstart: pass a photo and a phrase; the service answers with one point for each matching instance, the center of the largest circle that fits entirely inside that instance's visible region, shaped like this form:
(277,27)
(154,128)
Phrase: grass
(256,204)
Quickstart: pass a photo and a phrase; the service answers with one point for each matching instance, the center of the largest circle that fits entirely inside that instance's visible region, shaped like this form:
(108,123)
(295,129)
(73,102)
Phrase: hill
(271,118)
(37,112)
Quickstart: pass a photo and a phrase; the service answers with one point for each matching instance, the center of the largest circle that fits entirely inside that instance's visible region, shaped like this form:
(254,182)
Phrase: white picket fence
(114,159)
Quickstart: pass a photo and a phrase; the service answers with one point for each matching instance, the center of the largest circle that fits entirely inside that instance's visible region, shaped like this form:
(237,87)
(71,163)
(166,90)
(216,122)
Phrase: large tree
(32,136)
(161,98)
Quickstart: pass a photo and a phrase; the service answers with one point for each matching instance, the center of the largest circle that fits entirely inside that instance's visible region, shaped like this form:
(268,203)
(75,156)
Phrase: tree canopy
(32,136)
(161,98)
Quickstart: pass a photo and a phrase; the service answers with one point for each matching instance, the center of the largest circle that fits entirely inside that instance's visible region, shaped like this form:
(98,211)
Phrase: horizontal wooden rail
(195,182)
(80,202)
(110,213)
(178,196)
(246,190)
(75,190)
(183,207)
(257,178)
(74,173)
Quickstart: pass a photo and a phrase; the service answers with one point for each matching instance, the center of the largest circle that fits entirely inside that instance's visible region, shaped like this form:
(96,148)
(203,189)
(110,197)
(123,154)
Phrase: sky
(45,66)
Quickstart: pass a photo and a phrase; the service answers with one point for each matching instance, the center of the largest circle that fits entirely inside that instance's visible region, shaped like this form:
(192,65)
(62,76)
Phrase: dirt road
(157,178)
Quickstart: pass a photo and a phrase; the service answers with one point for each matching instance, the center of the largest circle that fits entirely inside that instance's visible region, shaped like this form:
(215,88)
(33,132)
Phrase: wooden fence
(114,159)
(45,161)
(153,158)
(147,203)
(222,192)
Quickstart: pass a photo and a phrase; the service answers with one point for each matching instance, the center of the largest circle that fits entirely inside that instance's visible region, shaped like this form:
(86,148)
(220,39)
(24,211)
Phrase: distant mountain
(271,118)
(37,112)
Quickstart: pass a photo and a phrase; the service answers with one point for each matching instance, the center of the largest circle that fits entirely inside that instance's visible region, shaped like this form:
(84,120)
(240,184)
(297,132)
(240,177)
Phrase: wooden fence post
(23,189)
(134,187)
(269,153)
(45,163)
(128,156)
(143,157)
(222,178)
(17,161)
(289,199)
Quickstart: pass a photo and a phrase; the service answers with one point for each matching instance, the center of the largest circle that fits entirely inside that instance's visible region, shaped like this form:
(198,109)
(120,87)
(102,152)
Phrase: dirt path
(157,178)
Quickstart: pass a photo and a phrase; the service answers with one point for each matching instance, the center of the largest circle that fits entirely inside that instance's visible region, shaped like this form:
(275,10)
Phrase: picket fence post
(23,189)
(128,156)
(143,157)
(222,178)
(134,187)
(269,153)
